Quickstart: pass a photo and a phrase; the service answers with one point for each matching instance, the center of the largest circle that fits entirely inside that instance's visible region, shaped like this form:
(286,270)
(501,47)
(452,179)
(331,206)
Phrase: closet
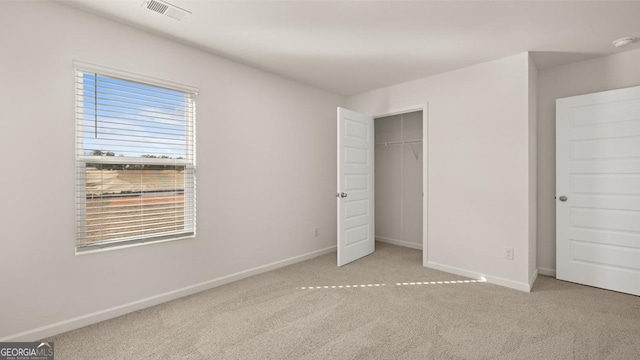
(398,179)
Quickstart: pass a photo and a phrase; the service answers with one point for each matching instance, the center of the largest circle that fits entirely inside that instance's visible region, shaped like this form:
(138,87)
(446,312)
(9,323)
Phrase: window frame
(81,160)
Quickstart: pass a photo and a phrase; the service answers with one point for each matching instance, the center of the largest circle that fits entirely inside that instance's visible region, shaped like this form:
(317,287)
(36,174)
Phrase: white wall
(266,172)
(601,74)
(478,165)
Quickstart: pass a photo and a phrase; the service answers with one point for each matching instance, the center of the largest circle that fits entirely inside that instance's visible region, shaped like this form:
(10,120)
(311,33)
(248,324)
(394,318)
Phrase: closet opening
(399,174)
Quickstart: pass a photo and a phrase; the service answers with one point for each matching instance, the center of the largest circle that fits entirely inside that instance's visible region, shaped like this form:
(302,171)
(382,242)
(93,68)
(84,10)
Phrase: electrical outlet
(508,253)
(315,232)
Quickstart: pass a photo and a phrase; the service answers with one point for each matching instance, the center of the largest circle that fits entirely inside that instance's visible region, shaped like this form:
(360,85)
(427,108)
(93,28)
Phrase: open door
(355,195)
(598,189)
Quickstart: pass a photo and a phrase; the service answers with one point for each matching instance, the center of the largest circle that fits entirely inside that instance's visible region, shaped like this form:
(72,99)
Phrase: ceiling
(349,47)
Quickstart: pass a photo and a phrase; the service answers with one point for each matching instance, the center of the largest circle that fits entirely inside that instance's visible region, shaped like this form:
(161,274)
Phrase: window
(135,159)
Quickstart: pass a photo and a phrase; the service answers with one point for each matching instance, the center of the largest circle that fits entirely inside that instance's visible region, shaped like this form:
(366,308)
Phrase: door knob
(343,195)
(562,198)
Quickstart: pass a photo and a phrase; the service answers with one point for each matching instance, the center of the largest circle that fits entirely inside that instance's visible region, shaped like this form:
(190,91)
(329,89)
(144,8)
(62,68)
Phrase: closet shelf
(403,142)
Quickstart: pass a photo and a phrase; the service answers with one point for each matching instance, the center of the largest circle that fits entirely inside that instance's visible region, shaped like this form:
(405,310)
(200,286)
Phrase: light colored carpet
(270,316)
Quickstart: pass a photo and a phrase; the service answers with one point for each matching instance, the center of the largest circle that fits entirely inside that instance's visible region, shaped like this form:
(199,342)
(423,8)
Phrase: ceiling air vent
(165,8)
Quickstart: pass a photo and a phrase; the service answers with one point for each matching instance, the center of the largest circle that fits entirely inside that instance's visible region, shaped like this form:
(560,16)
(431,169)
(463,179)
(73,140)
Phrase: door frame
(425,166)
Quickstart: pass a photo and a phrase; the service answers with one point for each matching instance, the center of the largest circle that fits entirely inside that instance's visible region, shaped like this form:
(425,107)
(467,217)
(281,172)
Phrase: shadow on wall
(582,73)
(547,59)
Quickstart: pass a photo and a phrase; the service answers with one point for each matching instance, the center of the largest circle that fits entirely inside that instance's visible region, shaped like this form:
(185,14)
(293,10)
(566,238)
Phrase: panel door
(355,195)
(598,190)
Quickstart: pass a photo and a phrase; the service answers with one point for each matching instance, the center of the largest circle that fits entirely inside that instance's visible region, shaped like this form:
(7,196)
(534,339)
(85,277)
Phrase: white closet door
(598,190)
(355,195)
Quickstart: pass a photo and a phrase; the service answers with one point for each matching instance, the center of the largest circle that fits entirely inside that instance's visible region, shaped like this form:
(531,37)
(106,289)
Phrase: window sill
(91,249)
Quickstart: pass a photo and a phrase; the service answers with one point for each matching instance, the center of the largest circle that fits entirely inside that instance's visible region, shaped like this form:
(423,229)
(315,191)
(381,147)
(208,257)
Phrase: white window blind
(135,161)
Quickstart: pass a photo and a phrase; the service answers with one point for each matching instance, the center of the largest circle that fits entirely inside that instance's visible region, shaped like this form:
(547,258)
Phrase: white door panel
(598,170)
(356,233)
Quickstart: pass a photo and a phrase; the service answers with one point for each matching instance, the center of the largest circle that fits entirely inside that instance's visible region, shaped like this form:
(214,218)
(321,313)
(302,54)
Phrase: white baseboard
(92,318)
(454,270)
(532,279)
(547,271)
(399,242)
(522,286)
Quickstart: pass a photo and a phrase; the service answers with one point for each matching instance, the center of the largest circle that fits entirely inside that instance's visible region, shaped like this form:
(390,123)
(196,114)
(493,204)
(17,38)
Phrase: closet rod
(400,142)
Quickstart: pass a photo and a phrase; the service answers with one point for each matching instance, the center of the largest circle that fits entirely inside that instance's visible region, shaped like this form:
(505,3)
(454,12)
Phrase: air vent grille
(164,8)
(157,6)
